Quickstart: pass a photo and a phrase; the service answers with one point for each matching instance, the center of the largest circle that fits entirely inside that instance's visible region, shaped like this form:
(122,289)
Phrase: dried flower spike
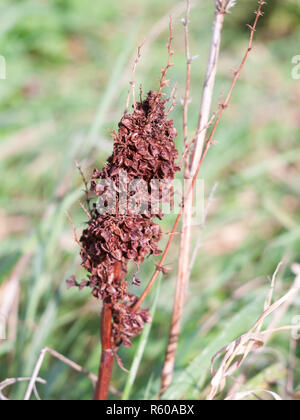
(144,150)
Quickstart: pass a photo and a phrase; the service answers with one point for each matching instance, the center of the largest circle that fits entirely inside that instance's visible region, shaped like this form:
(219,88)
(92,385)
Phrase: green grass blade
(195,374)
(112,87)
(140,351)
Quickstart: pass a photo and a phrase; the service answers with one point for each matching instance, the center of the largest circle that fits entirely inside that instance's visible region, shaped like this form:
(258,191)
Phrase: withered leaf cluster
(143,148)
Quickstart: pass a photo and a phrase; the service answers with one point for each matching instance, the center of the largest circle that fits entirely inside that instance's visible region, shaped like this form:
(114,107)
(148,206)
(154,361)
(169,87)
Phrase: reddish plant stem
(107,354)
(188,78)
(169,64)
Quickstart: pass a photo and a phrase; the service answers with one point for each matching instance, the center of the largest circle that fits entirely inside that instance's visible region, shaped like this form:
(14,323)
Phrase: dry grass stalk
(291,369)
(201,148)
(168,366)
(133,83)
(207,146)
(281,312)
(9,296)
(252,393)
(190,170)
(12,381)
(188,73)
(236,352)
(63,359)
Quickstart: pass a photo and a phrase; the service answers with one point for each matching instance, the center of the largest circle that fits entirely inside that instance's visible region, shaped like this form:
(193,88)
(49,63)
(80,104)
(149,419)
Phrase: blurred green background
(68,67)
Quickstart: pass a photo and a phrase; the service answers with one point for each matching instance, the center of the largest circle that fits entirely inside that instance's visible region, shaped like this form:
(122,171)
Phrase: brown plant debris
(144,150)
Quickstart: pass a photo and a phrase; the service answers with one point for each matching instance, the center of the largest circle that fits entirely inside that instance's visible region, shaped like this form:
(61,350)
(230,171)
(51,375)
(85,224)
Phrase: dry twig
(63,359)
(9,295)
(11,381)
(190,170)
(132,83)
(86,186)
(207,146)
(163,81)
(237,351)
(188,72)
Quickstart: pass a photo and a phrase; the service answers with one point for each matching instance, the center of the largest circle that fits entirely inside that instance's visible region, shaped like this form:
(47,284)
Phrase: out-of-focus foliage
(68,64)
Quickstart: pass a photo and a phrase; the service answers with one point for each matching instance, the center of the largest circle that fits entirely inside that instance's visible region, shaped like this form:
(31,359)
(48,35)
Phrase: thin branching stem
(86,190)
(133,82)
(207,146)
(190,168)
(164,71)
(63,359)
(188,73)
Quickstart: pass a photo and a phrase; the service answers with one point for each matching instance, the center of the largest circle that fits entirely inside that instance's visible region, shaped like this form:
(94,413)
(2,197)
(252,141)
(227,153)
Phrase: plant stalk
(190,172)
(207,144)
(107,354)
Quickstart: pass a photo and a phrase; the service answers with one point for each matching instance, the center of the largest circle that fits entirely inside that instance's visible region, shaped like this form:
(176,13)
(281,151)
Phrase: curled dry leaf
(11,381)
(252,393)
